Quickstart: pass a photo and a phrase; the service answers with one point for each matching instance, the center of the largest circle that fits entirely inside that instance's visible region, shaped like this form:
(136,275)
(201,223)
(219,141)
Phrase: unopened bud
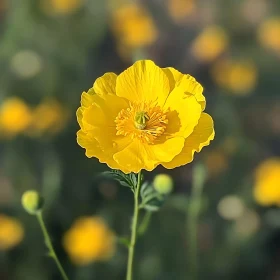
(163,184)
(32,202)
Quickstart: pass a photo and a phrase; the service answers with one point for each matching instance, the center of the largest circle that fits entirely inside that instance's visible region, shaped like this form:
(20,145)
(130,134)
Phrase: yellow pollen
(145,121)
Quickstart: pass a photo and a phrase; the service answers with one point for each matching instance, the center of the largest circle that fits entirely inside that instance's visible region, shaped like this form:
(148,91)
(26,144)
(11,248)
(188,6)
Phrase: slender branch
(133,229)
(193,219)
(145,223)
(49,245)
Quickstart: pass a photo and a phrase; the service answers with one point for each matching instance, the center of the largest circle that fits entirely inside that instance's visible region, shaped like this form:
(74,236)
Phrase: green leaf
(124,241)
(151,199)
(151,208)
(126,180)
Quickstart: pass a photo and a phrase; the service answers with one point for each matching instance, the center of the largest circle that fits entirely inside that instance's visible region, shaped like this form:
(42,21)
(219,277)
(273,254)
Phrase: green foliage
(126,180)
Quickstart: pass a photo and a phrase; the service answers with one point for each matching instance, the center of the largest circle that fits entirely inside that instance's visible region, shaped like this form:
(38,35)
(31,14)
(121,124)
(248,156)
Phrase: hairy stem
(49,245)
(133,229)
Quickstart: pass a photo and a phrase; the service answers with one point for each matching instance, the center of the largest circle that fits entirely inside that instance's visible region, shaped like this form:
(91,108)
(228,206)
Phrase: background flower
(11,232)
(210,44)
(239,77)
(267,191)
(89,239)
(15,116)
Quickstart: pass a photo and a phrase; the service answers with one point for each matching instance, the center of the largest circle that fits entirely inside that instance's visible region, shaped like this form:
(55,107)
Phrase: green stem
(133,230)
(145,223)
(50,246)
(193,219)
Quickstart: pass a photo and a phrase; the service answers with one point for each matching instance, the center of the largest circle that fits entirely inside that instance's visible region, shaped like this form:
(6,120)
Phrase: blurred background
(52,50)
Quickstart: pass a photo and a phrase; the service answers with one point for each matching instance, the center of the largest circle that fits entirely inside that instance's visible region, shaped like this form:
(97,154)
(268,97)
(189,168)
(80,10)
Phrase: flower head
(210,43)
(163,183)
(133,26)
(179,10)
(267,182)
(32,202)
(49,116)
(88,240)
(269,34)
(62,7)
(144,117)
(239,77)
(15,116)
(11,232)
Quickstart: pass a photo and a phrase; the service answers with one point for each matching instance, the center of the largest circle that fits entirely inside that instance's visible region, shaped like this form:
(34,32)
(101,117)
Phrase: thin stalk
(49,245)
(193,211)
(133,229)
(145,223)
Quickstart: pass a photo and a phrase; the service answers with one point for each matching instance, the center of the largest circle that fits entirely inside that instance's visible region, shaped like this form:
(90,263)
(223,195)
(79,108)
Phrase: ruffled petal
(105,84)
(86,99)
(98,134)
(201,137)
(143,82)
(137,155)
(104,152)
(101,114)
(190,85)
(183,113)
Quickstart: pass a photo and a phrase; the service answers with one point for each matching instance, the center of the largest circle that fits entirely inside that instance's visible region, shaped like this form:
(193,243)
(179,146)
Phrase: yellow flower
(133,26)
(62,6)
(179,10)
(210,44)
(11,232)
(267,182)
(49,116)
(269,34)
(240,77)
(144,117)
(88,240)
(15,116)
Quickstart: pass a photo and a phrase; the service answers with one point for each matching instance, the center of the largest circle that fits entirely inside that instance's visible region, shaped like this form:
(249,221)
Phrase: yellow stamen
(145,121)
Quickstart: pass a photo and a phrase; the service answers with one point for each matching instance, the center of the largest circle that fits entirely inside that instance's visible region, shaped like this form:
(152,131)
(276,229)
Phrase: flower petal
(105,84)
(104,152)
(102,114)
(183,113)
(188,82)
(201,137)
(143,81)
(137,155)
(86,99)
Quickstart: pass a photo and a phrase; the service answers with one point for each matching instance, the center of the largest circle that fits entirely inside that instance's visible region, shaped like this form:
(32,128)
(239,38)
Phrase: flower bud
(163,184)
(32,202)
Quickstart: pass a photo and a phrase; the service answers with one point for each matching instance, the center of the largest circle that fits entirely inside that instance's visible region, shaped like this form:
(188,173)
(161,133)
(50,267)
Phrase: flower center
(145,121)
(140,119)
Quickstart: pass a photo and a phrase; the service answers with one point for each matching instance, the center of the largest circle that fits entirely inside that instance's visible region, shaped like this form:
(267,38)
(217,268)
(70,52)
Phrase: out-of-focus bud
(163,184)
(32,202)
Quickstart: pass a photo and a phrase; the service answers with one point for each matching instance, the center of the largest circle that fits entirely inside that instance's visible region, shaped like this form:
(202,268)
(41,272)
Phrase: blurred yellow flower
(267,182)
(15,116)
(49,116)
(179,10)
(11,232)
(239,77)
(133,26)
(144,117)
(210,43)
(269,34)
(89,239)
(63,7)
